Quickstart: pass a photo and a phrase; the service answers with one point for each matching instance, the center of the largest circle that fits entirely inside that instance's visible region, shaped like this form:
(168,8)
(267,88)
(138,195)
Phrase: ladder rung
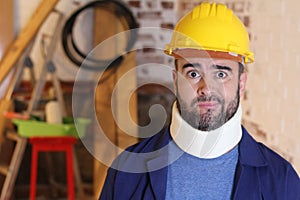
(13,136)
(4,169)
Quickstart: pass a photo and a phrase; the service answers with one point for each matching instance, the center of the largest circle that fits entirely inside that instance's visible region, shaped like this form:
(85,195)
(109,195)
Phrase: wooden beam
(6,24)
(104,94)
(25,37)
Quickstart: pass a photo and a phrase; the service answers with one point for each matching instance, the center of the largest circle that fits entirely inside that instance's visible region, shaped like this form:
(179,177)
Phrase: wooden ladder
(17,53)
(10,171)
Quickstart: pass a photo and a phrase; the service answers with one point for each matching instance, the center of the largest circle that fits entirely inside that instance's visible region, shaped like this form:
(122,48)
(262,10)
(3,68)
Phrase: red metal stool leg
(70,174)
(33,177)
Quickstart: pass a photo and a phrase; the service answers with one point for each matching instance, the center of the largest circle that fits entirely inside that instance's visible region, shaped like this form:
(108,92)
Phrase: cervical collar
(206,144)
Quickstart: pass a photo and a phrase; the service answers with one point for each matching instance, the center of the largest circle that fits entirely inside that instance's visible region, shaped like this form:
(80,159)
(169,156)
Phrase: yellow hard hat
(211,27)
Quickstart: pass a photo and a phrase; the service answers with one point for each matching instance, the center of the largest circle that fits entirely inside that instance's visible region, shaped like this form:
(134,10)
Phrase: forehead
(207,62)
(206,57)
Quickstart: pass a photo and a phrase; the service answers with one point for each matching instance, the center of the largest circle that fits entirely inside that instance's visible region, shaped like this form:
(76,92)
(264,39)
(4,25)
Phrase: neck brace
(206,144)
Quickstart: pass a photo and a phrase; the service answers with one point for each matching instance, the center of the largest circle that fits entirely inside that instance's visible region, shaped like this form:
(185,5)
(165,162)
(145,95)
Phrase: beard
(212,119)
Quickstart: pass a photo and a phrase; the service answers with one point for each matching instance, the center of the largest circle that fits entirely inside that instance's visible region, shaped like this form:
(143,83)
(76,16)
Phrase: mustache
(204,98)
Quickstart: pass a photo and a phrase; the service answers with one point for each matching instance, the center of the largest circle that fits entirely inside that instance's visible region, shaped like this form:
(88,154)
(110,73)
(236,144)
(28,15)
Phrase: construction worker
(205,153)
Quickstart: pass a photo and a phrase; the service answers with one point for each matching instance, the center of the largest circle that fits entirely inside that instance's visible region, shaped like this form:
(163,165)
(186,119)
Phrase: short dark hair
(241,68)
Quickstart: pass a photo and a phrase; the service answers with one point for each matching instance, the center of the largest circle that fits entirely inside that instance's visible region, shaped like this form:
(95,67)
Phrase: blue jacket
(260,173)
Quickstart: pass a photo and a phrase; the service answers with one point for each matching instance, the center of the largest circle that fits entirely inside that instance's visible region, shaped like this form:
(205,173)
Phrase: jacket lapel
(158,182)
(158,167)
(247,183)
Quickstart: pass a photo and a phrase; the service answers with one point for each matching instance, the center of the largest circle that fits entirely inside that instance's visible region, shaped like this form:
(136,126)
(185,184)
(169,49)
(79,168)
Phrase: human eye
(221,75)
(193,74)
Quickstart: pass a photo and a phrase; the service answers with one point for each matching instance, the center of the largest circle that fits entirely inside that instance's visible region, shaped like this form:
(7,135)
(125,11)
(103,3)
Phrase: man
(205,153)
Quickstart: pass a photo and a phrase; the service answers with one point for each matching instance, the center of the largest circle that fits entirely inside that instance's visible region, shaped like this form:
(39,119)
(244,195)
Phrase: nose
(204,87)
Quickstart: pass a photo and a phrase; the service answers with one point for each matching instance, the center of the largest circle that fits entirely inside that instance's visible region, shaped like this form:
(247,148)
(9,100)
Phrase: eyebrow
(191,65)
(222,67)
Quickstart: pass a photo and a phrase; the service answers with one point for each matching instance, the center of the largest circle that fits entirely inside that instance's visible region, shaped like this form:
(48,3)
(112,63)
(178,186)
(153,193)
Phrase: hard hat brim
(196,53)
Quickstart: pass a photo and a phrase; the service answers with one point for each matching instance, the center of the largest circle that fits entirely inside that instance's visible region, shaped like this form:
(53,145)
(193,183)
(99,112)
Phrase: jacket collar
(249,151)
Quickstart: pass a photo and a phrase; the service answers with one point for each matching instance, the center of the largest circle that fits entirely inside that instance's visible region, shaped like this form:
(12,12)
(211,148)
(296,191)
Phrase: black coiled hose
(71,49)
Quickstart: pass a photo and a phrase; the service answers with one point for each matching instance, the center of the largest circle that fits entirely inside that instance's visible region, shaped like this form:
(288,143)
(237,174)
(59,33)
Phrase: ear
(175,78)
(243,80)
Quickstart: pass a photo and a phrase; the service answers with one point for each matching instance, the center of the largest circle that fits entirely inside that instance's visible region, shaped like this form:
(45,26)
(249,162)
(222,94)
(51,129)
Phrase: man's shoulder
(135,158)
(276,174)
(259,149)
(152,143)
(269,159)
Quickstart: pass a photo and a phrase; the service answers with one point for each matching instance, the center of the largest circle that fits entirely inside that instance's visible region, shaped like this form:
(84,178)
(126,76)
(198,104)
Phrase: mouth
(207,104)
